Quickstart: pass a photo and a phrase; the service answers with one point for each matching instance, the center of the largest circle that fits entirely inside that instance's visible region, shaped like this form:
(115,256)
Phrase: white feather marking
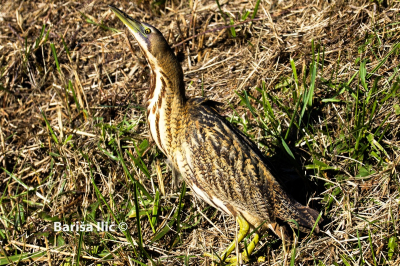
(221,205)
(203,195)
(153,61)
(154,102)
(270,227)
(158,86)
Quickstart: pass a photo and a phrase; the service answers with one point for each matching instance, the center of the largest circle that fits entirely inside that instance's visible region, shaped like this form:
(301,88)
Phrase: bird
(220,164)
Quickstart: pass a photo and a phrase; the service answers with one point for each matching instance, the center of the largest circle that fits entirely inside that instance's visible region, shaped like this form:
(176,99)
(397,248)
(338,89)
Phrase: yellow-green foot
(243,230)
(261,259)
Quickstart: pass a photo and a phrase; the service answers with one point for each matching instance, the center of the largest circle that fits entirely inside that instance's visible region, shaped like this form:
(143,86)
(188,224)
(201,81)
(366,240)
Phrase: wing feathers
(231,169)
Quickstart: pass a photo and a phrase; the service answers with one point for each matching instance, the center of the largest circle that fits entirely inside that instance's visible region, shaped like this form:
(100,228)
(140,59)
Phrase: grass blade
(255,9)
(155,210)
(49,126)
(371,246)
(395,47)
(233,31)
(220,11)
(137,209)
(287,149)
(53,50)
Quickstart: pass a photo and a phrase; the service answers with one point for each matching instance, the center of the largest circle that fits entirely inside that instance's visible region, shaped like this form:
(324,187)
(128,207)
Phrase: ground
(315,84)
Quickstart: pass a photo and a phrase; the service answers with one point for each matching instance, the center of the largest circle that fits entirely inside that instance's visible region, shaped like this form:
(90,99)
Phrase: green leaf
(18,180)
(287,149)
(67,139)
(65,46)
(163,231)
(49,127)
(316,223)
(156,206)
(93,208)
(220,11)
(143,146)
(140,186)
(331,100)
(60,241)
(360,248)
(395,47)
(53,49)
(284,83)
(255,9)
(40,36)
(345,260)
(396,108)
(392,247)
(139,163)
(137,208)
(233,31)
(107,153)
(371,246)
(363,73)
(320,165)
(245,15)
(71,88)
(178,214)
(21,257)
(365,171)
(48,218)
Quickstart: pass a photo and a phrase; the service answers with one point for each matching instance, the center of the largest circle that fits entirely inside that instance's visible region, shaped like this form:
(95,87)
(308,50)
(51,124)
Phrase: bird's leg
(243,230)
(251,246)
(247,252)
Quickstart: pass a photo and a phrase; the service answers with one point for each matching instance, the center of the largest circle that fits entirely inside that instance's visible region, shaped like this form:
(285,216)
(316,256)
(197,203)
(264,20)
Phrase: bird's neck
(165,104)
(165,86)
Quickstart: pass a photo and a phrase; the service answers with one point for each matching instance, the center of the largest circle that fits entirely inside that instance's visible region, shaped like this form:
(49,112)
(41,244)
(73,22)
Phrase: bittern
(218,162)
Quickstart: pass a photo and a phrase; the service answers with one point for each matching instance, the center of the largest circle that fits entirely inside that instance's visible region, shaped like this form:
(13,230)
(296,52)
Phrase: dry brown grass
(69,136)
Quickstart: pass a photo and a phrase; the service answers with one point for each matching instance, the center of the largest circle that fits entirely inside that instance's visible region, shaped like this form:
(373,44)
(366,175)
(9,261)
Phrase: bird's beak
(134,25)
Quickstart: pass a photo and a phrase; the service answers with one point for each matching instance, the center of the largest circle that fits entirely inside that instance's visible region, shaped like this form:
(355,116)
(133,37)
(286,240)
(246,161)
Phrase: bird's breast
(157,127)
(184,162)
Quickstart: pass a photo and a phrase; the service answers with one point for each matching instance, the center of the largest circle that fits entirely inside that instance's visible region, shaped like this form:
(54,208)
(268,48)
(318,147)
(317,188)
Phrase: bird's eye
(147,31)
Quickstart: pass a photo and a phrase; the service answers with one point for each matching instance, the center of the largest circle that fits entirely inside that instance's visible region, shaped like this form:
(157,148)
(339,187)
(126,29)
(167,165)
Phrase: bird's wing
(227,167)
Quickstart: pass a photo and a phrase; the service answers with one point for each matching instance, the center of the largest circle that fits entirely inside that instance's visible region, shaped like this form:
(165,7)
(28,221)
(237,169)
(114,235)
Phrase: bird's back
(219,163)
(228,171)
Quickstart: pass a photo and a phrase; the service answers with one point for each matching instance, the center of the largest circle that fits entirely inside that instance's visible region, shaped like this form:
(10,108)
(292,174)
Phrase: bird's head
(151,41)
(159,55)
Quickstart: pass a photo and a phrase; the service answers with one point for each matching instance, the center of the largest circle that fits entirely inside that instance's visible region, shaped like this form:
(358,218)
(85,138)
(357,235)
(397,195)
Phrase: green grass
(331,120)
(359,129)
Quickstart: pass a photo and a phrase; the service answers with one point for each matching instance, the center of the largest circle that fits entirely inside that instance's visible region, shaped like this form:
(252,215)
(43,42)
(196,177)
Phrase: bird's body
(225,169)
(220,164)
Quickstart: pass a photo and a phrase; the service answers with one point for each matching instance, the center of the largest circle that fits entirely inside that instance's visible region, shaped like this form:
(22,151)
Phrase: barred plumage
(220,164)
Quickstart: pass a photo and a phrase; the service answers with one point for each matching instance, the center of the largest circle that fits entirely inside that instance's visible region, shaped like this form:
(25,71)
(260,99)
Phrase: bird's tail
(305,217)
(289,210)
